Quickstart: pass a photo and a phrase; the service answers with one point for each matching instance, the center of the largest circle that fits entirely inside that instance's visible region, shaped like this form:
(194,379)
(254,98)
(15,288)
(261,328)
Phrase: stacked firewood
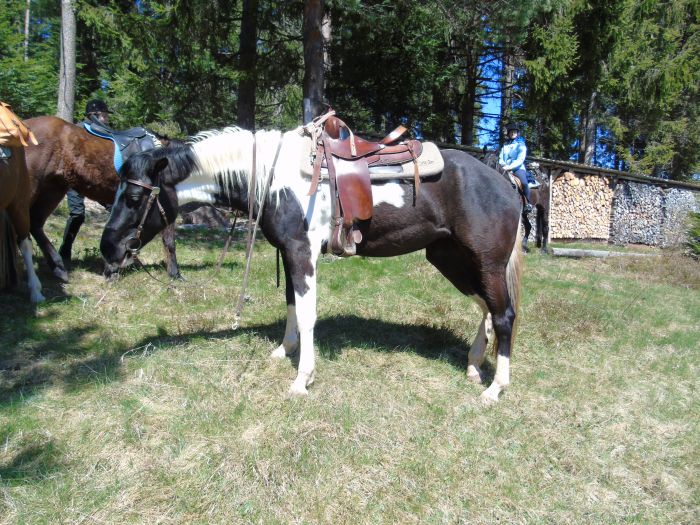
(581,207)
(646,214)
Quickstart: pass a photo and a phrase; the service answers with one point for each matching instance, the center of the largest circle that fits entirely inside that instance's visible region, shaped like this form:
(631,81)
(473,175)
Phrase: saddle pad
(13,132)
(118,160)
(430,163)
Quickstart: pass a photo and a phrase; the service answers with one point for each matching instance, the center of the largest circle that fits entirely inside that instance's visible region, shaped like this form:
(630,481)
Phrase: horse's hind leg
(448,257)
(483,339)
(44,205)
(168,236)
(503,314)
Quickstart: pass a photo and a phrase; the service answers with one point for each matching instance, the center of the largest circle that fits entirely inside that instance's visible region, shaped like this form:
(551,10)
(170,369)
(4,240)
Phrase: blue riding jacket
(512,155)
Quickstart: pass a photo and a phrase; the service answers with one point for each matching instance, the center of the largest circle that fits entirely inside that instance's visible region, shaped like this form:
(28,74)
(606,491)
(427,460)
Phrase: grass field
(134,402)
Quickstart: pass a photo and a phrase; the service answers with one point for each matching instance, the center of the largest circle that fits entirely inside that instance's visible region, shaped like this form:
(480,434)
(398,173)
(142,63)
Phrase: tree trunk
(247,65)
(26,30)
(313,59)
(507,78)
(326,33)
(586,153)
(468,109)
(66,87)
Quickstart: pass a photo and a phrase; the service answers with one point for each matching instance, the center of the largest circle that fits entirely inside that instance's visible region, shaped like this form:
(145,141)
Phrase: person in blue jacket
(512,158)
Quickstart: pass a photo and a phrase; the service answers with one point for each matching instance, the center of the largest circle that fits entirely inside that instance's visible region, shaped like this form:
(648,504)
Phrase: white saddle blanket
(429,163)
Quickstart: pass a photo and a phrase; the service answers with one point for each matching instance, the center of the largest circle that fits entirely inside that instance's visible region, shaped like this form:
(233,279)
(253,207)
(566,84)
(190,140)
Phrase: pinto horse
(15,192)
(466,218)
(69,157)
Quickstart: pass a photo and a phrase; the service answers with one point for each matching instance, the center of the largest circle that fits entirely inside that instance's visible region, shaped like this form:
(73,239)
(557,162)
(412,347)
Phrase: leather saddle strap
(316,177)
(335,200)
(394,135)
(416,171)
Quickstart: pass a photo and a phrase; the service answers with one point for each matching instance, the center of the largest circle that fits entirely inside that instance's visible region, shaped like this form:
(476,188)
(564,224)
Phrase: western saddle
(349,159)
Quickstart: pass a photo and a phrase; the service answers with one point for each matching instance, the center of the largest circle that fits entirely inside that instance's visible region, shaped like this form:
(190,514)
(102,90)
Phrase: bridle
(133,244)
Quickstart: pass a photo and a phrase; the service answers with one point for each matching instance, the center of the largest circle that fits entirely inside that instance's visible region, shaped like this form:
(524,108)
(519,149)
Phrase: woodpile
(581,207)
(646,214)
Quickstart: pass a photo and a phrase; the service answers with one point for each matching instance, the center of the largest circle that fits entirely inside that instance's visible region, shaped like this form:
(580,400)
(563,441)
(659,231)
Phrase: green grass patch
(135,402)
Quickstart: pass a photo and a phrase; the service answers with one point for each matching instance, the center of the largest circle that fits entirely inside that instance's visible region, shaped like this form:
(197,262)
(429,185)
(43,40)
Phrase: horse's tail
(9,275)
(514,272)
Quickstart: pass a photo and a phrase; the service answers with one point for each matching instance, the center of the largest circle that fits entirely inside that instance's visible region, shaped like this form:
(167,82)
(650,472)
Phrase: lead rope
(252,230)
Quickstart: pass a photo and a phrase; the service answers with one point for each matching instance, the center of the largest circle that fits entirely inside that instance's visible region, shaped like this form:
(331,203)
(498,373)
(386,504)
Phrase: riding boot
(69,234)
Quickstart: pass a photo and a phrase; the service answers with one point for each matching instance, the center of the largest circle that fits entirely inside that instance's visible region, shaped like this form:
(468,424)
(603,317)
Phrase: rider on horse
(512,158)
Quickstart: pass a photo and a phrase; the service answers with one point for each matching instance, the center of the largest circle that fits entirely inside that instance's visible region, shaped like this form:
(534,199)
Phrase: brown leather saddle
(348,159)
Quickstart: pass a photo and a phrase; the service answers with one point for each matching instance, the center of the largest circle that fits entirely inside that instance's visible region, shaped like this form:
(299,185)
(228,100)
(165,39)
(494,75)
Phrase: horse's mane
(181,162)
(227,155)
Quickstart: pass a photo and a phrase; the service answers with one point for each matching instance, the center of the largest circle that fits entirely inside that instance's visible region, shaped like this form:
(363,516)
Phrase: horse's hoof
(297,390)
(279,353)
(488,398)
(474,377)
(61,274)
(177,277)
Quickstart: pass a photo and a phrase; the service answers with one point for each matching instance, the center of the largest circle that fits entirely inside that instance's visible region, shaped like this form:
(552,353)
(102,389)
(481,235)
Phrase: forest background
(613,83)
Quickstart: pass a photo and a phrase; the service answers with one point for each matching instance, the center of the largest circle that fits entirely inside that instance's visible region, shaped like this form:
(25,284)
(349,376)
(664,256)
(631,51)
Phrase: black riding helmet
(96,106)
(513,126)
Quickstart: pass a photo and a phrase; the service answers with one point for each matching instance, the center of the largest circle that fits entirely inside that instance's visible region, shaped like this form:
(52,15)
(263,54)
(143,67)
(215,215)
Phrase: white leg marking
(478,349)
(25,246)
(500,382)
(290,343)
(306,319)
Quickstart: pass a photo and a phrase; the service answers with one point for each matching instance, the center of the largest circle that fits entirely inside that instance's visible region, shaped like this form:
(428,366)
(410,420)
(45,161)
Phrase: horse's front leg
(290,342)
(33,283)
(168,237)
(528,227)
(306,319)
(299,261)
(545,233)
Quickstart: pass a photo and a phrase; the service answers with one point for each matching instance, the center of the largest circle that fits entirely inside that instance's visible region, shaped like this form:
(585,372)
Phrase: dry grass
(133,403)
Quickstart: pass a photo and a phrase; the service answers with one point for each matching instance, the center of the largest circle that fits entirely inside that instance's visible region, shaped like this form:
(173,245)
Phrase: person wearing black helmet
(512,158)
(96,111)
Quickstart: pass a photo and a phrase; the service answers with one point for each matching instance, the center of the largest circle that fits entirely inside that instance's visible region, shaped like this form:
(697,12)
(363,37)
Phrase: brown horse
(69,157)
(15,192)
(539,198)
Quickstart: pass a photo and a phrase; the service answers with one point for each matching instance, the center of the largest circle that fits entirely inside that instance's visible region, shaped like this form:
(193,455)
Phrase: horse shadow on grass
(67,357)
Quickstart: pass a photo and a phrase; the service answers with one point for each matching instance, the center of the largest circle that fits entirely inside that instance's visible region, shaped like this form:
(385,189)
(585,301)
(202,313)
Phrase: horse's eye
(133,199)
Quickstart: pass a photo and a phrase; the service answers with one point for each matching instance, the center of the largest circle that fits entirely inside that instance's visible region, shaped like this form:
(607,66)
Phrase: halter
(135,241)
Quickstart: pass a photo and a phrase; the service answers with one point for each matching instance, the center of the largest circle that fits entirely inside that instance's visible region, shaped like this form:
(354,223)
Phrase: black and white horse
(467,219)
